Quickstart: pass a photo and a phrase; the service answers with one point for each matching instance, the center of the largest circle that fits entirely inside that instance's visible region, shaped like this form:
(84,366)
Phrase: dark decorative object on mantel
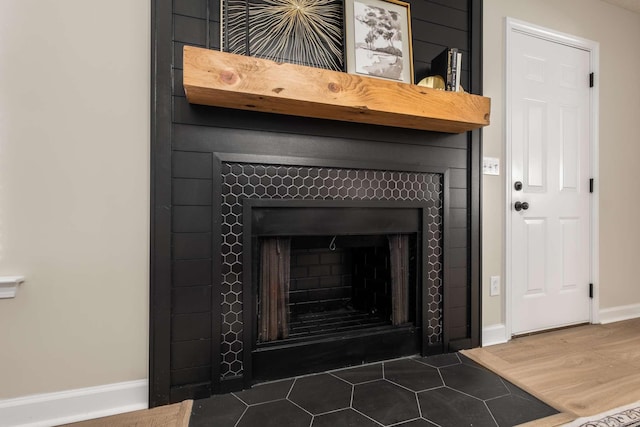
(304,32)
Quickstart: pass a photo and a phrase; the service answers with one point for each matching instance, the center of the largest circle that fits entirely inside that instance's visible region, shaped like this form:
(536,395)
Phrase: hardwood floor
(176,415)
(583,371)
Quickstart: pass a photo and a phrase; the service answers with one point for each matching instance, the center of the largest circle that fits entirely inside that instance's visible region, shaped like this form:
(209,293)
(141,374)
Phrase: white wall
(74,193)
(618,32)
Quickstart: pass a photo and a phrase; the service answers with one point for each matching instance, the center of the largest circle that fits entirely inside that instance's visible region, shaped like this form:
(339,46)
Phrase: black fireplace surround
(224,182)
(261,200)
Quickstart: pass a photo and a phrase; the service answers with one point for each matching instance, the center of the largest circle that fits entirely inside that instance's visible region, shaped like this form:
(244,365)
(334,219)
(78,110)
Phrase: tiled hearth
(443,390)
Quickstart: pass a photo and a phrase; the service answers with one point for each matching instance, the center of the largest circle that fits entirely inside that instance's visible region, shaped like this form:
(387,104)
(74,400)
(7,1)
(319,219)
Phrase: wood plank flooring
(583,370)
(176,415)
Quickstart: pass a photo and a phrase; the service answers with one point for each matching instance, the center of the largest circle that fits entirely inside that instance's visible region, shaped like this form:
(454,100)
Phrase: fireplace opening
(314,286)
(333,284)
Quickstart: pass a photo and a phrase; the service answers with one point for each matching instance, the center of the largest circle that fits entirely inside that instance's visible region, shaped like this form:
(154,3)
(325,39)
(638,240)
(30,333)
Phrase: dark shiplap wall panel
(178,47)
(458,238)
(192,165)
(190,354)
(442,15)
(458,257)
(195,192)
(454,4)
(191,245)
(191,219)
(192,326)
(458,276)
(181,377)
(438,34)
(189,30)
(458,218)
(178,88)
(192,272)
(412,151)
(214,35)
(198,132)
(193,8)
(214,10)
(458,198)
(191,299)
(458,178)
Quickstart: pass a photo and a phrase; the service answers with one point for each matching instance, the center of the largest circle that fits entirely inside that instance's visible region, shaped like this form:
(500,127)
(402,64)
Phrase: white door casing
(551,148)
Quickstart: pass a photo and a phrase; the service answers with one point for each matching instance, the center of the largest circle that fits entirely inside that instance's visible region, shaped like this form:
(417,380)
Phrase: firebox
(336,284)
(333,283)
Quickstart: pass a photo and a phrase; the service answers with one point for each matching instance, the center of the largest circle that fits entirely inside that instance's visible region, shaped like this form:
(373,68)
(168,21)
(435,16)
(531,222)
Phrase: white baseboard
(494,334)
(617,314)
(70,406)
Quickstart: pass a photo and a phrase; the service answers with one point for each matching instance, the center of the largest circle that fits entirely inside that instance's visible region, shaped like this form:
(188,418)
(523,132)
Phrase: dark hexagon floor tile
(385,402)
(517,391)
(412,374)
(513,410)
(280,413)
(441,360)
(360,374)
(265,392)
(343,418)
(465,360)
(476,382)
(420,422)
(450,408)
(321,393)
(219,410)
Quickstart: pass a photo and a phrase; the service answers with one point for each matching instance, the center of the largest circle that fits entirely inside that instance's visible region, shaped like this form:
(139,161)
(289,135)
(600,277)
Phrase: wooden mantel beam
(233,81)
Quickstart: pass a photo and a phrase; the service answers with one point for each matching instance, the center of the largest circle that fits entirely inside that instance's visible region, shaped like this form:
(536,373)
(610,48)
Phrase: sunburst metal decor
(305,32)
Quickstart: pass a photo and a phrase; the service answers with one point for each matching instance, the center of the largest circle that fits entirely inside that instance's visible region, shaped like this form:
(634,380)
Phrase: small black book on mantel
(448,65)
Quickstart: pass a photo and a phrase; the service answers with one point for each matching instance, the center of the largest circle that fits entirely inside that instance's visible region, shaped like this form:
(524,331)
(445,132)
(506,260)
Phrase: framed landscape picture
(378,39)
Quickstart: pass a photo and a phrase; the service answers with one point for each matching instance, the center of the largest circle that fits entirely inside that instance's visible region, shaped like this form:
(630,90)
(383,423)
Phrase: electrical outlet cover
(495,286)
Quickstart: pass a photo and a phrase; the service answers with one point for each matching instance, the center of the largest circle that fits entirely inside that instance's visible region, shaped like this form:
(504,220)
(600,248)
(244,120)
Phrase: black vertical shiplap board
(185,273)
(189,30)
(160,221)
(192,8)
(475,258)
(216,271)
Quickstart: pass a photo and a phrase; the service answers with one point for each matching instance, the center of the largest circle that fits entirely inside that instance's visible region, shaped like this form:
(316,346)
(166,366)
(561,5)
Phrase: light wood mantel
(233,81)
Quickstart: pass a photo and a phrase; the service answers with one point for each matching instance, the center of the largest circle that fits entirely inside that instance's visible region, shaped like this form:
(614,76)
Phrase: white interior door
(550,157)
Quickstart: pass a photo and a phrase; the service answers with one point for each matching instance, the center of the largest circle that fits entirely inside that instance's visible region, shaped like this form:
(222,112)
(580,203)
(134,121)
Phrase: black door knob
(520,206)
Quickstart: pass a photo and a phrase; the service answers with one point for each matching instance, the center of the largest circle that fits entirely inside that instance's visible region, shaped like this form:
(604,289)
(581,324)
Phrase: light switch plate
(491,166)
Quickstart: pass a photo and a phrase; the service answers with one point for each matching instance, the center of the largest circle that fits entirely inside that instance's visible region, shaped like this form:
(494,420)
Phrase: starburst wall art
(304,32)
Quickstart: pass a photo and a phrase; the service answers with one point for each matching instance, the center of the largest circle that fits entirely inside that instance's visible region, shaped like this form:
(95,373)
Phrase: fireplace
(334,267)
(207,161)
(333,284)
(336,284)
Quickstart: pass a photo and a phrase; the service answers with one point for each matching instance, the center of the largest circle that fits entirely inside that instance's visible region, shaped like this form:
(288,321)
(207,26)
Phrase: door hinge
(591,77)
(590,185)
(590,290)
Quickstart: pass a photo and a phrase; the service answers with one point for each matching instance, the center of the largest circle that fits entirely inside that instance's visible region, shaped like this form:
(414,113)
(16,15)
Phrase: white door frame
(511,26)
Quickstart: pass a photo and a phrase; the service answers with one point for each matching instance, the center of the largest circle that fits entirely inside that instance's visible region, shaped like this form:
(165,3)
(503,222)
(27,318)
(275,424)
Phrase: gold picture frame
(378,39)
